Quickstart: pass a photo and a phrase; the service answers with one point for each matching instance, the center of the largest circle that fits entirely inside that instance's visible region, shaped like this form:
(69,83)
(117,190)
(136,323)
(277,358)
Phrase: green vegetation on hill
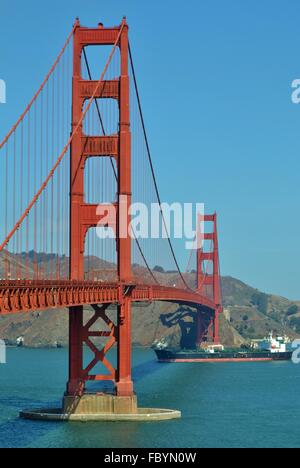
(254,314)
(260,301)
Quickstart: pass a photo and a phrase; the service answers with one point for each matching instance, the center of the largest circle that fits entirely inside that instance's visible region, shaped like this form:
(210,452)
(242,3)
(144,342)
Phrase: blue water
(223,405)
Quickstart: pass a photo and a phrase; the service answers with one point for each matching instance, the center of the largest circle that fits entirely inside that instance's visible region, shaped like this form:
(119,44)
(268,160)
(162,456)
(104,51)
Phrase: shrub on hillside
(292,310)
(260,300)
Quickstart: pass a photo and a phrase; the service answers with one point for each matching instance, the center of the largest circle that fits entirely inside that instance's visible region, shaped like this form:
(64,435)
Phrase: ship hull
(168,355)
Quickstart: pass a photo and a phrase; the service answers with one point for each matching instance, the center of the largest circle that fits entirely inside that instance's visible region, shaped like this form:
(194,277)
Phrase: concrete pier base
(100,403)
(100,407)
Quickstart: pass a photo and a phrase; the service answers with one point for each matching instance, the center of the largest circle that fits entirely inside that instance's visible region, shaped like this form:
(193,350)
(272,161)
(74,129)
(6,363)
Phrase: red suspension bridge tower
(84,216)
(208,282)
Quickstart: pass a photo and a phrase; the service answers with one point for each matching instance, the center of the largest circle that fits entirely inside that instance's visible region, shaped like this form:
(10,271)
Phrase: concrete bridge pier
(100,407)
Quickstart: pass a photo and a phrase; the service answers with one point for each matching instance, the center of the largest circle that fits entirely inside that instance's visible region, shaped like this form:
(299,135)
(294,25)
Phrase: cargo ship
(270,349)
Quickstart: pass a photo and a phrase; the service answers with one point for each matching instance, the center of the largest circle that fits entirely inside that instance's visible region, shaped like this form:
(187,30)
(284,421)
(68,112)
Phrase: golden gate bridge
(81,143)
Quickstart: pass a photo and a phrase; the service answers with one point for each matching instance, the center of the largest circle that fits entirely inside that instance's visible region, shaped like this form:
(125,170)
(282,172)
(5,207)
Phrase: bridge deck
(27,296)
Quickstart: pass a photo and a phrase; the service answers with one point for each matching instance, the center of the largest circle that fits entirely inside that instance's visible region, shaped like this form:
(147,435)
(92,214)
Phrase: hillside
(248,313)
(253,313)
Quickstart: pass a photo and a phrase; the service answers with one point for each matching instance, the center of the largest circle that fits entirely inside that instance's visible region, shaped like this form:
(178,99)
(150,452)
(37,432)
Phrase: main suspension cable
(64,151)
(114,169)
(21,118)
(152,168)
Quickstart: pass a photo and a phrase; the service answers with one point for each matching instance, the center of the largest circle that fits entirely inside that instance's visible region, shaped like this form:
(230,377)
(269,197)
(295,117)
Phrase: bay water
(222,404)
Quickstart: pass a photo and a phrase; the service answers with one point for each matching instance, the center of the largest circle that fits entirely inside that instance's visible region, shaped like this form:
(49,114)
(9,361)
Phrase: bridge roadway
(17,296)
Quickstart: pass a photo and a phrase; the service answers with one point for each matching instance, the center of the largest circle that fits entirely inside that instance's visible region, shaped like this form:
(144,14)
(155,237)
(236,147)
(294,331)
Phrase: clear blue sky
(215,83)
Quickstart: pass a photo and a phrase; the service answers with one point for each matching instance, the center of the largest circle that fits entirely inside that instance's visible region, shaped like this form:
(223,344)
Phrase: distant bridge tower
(208,275)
